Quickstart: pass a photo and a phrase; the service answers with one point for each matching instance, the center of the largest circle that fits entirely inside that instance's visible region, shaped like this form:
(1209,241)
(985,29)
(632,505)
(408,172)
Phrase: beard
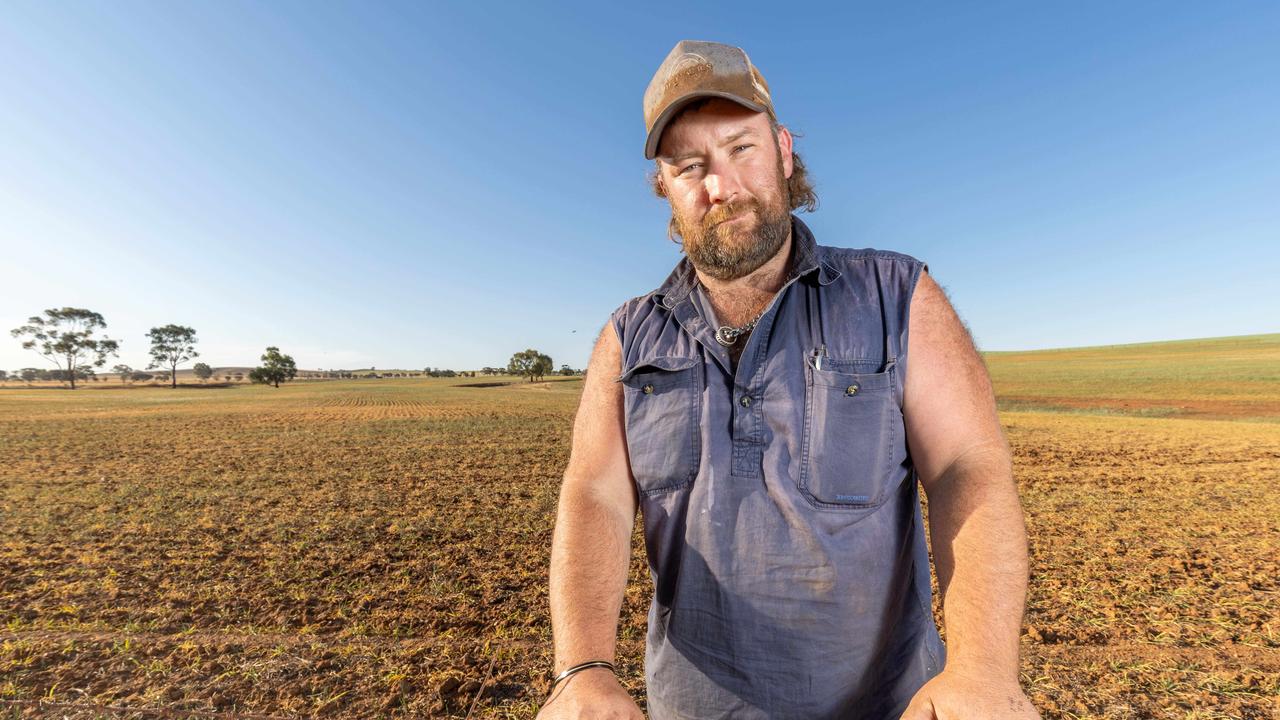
(728,251)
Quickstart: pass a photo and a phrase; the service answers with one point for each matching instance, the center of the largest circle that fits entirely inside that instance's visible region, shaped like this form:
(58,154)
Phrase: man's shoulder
(897,272)
(633,311)
(632,304)
(842,255)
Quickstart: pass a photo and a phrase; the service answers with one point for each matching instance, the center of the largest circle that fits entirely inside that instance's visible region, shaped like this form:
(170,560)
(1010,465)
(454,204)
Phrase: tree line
(69,338)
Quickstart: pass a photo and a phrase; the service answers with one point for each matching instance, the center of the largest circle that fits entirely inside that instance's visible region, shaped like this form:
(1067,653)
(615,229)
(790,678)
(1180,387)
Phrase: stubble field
(379,547)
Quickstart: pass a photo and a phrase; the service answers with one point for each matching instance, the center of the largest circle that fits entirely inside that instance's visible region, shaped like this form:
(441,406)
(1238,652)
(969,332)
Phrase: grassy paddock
(1215,378)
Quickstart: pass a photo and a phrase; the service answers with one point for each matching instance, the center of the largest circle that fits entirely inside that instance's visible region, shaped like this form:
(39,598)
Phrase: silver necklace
(727,336)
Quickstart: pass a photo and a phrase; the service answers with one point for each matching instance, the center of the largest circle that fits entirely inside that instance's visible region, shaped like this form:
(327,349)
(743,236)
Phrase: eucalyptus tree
(171,346)
(66,337)
(276,368)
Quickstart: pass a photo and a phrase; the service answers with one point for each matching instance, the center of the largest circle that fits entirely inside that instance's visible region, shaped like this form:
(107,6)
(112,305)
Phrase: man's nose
(721,187)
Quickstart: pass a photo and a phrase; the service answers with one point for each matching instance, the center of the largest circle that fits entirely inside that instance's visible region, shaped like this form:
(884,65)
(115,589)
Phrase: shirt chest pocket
(852,435)
(663,403)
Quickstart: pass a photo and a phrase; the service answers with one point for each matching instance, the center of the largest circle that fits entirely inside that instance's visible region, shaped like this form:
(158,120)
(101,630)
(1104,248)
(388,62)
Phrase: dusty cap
(697,69)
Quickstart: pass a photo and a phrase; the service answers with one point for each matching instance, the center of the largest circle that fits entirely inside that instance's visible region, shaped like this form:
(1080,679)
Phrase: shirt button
(851,390)
(647,389)
(746,401)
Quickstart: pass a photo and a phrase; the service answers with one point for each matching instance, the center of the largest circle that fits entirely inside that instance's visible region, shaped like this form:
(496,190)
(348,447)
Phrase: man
(758,408)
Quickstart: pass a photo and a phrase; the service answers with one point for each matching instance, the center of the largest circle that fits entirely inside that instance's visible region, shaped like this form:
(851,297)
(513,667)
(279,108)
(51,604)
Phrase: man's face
(726,179)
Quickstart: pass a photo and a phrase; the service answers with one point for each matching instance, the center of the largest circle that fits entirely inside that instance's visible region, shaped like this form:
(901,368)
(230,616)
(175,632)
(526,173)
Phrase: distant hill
(186,373)
(1235,377)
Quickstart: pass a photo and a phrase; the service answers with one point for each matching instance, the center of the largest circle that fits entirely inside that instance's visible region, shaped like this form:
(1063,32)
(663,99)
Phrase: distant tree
(239,376)
(566,370)
(162,376)
(171,346)
(139,376)
(202,371)
(529,363)
(524,363)
(4,375)
(29,374)
(124,371)
(66,338)
(275,367)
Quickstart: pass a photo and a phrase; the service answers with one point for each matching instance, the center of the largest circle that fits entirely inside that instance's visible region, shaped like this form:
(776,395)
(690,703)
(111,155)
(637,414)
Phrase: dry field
(379,548)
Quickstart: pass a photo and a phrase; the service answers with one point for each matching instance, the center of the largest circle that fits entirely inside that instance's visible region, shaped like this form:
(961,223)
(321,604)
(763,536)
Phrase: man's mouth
(733,218)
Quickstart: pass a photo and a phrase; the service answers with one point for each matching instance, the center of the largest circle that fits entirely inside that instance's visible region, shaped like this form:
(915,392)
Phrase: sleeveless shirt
(782,523)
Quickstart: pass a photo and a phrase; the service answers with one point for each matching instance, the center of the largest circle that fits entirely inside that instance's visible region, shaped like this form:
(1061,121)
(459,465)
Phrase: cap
(697,69)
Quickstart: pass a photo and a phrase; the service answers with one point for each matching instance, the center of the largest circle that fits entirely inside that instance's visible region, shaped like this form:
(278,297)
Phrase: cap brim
(655,134)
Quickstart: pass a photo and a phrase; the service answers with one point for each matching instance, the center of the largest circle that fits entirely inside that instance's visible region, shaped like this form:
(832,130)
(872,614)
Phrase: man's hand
(594,693)
(952,696)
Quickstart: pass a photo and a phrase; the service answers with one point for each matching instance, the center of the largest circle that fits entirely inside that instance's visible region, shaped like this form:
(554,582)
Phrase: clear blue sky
(412,185)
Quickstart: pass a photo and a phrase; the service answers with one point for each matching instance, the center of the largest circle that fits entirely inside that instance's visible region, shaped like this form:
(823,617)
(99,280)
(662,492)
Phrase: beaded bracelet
(583,666)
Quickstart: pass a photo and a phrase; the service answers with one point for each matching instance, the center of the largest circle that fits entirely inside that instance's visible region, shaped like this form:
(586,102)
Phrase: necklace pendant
(726,336)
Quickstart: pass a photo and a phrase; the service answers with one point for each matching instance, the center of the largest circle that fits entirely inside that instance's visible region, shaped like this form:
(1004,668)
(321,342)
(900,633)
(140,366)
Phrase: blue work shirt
(781,517)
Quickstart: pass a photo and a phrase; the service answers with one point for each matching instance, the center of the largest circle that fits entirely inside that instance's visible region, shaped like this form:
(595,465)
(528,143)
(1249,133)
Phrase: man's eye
(687,167)
(741,147)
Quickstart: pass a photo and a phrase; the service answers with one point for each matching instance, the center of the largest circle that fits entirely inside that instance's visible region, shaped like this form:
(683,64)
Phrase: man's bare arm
(591,547)
(975,518)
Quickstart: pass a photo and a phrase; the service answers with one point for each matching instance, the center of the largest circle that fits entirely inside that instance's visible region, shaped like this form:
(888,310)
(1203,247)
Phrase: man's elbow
(594,493)
(982,469)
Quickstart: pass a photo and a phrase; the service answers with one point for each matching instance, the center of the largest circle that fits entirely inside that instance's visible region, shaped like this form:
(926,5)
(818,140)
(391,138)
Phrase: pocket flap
(844,378)
(669,364)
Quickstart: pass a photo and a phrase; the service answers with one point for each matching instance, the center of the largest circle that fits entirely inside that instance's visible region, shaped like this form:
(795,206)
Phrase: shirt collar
(805,253)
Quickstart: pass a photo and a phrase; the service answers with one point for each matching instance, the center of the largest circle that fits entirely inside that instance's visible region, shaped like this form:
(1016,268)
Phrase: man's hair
(799,187)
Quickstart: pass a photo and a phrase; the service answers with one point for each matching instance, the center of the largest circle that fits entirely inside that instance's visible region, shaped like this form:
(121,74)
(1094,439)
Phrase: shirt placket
(748,387)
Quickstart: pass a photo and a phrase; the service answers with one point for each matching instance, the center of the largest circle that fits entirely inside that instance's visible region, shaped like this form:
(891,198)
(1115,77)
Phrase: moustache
(729,211)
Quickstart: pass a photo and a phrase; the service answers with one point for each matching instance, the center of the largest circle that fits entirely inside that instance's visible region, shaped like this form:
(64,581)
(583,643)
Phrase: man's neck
(737,302)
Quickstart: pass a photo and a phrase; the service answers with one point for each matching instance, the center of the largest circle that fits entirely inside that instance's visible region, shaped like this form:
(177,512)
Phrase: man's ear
(785,143)
(656,182)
